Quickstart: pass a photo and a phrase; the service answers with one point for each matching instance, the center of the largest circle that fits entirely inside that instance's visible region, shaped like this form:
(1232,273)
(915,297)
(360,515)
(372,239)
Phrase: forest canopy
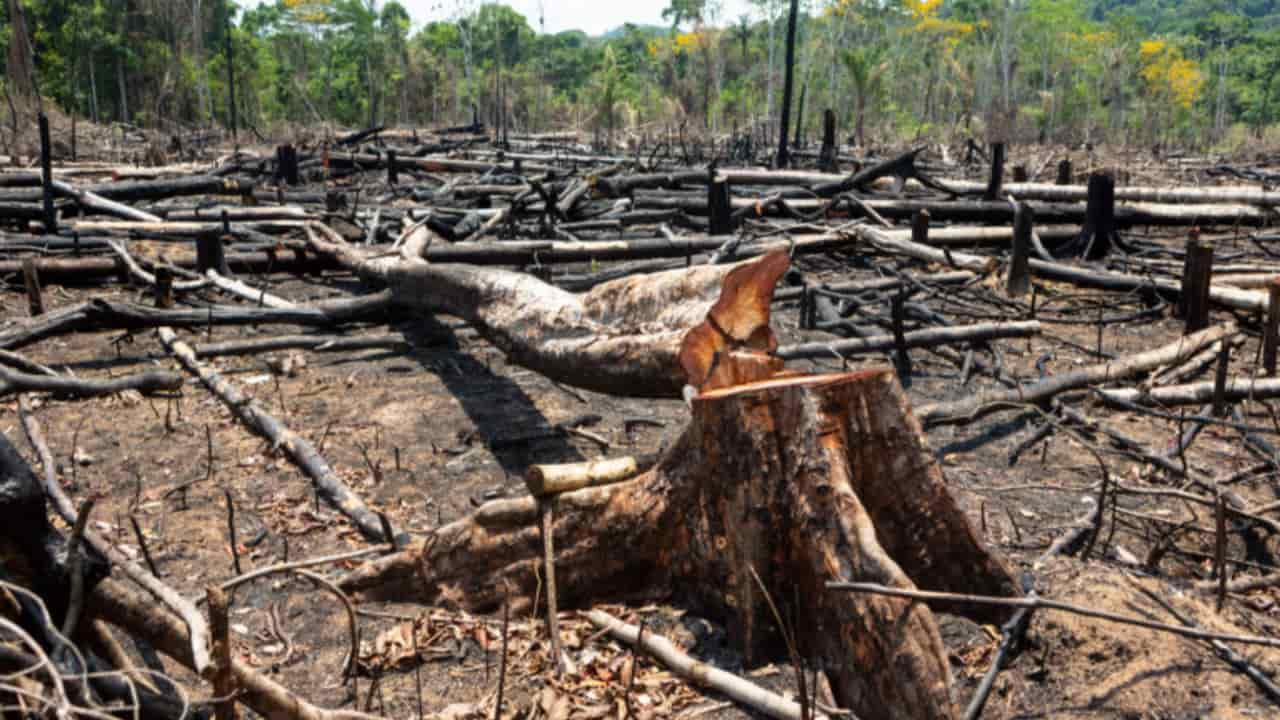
(1048,70)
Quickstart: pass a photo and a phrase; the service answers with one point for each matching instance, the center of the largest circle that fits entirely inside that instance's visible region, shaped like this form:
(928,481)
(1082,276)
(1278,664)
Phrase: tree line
(1155,71)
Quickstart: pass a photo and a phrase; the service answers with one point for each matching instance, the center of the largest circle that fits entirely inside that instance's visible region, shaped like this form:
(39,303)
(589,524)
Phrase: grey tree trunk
(21,64)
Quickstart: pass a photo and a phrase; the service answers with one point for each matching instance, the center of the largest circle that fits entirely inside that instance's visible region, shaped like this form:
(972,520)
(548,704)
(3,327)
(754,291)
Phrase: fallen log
(974,406)
(13,381)
(787,482)
(139,190)
(72,270)
(1133,193)
(995,212)
(100,314)
(899,242)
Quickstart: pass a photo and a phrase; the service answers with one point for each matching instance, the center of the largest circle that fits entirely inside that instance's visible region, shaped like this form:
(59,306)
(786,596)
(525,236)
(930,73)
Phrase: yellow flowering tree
(1172,82)
(1169,75)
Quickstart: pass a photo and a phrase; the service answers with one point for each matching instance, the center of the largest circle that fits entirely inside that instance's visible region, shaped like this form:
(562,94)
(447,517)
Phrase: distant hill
(644,29)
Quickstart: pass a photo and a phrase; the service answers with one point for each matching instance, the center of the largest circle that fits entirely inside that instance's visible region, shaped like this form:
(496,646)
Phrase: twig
(231,529)
(635,669)
(548,554)
(502,661)
(286,566)
(1230,656)
(806,712)
(76,562)
(142,544)
(350,667)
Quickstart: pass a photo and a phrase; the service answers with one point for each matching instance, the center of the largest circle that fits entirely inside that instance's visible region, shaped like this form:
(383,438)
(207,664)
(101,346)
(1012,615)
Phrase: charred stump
(827,155)
(1100,217)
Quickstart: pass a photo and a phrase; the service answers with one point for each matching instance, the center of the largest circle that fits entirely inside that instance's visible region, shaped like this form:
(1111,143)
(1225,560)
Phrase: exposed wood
(621,336)
(546,479)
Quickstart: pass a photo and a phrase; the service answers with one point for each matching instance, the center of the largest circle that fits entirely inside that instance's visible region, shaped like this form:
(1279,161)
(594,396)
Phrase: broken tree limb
(14,381)
(1234,390)
(327,483)
(975,406)
(930,337)
(620,337)
(699,673)
(314,343)
(97,203)
(261,298)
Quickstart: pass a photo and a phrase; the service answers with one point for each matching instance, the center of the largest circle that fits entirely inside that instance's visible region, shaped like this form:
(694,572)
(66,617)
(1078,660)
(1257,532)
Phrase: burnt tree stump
(827,155)
(801,479)
(1100,217)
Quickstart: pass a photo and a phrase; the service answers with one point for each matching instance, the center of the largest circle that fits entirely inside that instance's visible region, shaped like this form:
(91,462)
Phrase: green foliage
(1042,69)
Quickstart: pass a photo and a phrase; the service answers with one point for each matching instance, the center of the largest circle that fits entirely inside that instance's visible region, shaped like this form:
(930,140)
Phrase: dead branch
(327,483)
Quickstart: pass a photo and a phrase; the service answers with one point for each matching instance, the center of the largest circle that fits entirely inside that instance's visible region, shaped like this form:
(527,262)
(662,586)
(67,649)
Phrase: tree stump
(805,479)
(799,479)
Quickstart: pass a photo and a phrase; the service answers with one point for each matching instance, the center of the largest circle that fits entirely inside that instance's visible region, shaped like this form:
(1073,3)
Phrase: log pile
(822,345)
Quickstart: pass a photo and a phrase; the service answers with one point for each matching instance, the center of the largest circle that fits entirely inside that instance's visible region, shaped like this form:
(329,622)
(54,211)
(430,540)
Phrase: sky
(591,16)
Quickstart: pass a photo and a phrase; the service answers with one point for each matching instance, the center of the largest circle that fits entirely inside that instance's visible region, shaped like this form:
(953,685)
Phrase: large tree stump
(801,479)
(806,479)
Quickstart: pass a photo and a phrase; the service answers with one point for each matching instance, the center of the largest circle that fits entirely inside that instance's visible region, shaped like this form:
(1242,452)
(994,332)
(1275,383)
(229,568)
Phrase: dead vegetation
(311,379)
